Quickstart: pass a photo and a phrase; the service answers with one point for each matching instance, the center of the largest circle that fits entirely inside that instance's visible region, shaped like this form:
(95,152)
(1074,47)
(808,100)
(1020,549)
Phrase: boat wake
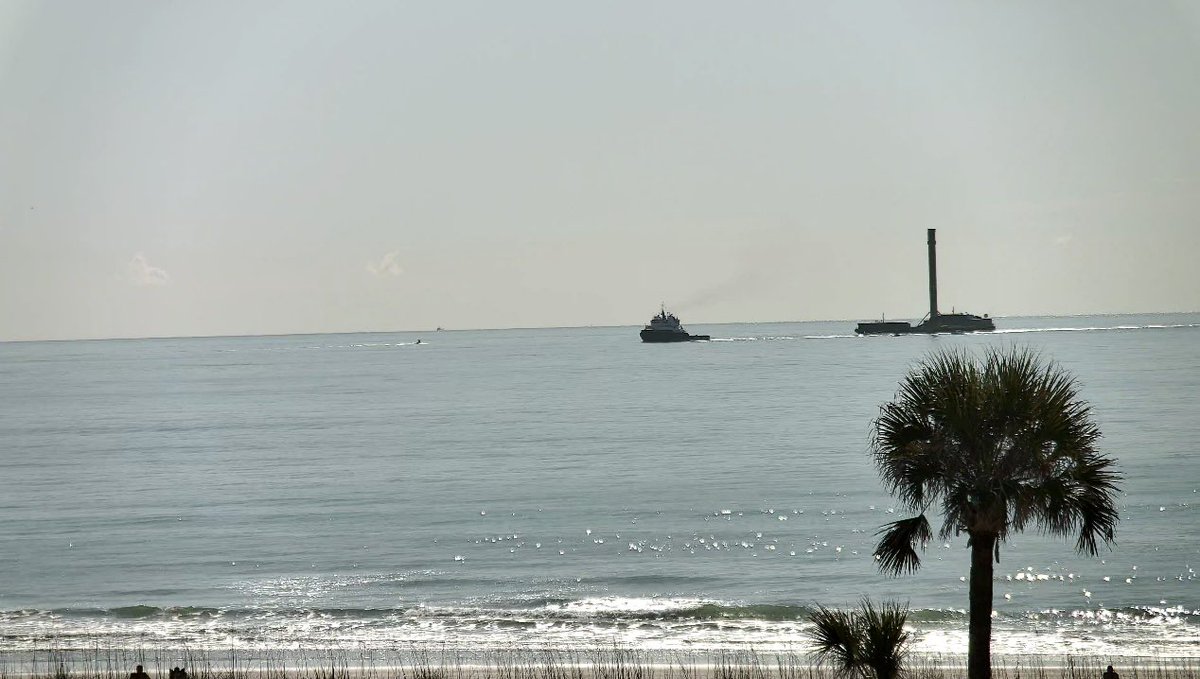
(1108,328)
(768,338)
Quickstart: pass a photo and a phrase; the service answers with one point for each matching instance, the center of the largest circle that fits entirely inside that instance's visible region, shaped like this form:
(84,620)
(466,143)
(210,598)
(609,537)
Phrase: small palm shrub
(869,642)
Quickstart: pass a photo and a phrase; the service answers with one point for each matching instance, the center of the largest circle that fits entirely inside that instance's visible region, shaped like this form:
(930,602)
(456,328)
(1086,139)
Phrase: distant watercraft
(934,322)
(665,327)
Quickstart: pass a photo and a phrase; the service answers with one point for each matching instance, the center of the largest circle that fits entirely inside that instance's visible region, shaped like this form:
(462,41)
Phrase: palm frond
(835,634)
(885,642)
(909,456)
(897,550)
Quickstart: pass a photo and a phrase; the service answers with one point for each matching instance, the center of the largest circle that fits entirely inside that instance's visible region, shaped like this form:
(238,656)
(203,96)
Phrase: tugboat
(935,321)
(665,327)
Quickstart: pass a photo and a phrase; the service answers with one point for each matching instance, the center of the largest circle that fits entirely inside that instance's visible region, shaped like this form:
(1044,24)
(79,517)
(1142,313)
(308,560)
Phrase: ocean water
(551,488)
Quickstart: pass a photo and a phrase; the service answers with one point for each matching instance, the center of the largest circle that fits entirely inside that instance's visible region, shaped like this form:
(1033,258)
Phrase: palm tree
(870,642)
(999,445)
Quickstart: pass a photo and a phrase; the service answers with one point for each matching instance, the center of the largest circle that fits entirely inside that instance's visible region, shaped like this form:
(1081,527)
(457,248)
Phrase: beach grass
(598,663)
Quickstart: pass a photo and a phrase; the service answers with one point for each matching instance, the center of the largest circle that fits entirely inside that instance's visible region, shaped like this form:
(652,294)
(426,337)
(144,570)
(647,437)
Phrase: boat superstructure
(665,327)
(935,321)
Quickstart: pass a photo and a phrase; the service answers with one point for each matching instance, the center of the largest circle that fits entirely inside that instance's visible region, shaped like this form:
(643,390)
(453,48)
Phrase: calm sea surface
(549,488)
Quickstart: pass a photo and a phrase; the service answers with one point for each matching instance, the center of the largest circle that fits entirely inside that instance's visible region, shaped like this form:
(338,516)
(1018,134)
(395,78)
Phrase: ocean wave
(645,623)
(587,608)
(643,609)
(601,610)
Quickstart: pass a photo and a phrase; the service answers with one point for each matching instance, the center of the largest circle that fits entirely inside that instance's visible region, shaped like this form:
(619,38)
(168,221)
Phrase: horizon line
(529,327)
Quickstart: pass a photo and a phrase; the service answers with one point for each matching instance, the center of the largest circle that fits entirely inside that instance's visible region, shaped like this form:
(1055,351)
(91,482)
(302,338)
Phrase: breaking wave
(649,624)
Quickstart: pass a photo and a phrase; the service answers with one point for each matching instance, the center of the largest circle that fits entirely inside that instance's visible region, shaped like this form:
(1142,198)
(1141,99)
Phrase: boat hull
(883,328)
(955,323)
(654,336)
(941,323)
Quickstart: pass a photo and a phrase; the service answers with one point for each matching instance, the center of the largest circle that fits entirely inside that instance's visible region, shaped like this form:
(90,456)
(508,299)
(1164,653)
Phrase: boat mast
(933,310)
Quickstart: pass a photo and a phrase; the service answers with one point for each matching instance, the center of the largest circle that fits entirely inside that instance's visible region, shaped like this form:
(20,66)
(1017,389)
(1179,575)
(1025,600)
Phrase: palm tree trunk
(979,646)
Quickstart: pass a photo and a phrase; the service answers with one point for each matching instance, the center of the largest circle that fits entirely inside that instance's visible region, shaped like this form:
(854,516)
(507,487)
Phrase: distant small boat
(665,327)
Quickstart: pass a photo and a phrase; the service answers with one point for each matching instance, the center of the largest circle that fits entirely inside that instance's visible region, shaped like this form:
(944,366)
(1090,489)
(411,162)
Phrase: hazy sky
(197,168)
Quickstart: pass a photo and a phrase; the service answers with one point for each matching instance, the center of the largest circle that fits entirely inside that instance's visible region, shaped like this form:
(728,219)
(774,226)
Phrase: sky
(175,168)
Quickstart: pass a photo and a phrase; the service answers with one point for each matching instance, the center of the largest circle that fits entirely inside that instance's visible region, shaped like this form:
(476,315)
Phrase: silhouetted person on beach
(1110,673)
(178,673)
(139,674)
